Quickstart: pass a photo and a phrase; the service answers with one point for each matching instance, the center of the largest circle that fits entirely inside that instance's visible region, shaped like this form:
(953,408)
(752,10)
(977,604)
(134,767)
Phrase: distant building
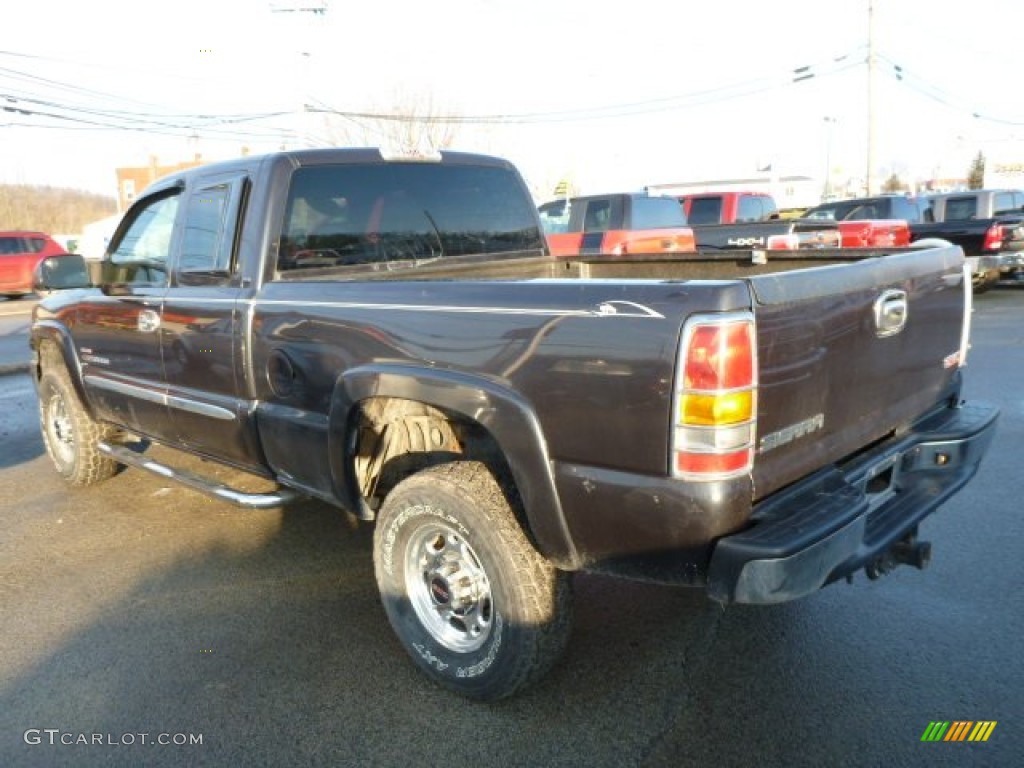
(1004,165)
(788,191)
(131,181)
(96,236)
(948,184)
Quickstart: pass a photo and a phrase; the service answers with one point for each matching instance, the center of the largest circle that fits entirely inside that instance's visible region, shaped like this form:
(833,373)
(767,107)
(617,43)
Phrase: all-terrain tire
(71,435)
(477,608)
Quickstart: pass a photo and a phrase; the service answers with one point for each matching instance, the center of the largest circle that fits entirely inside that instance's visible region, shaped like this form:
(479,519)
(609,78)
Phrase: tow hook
(906,551)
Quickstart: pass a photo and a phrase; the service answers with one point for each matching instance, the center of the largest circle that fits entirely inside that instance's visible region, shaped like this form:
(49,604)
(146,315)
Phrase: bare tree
(413,123)
(51,209)
(894,184)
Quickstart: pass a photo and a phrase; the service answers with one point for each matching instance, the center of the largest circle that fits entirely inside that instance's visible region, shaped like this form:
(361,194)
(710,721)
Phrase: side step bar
(123,455)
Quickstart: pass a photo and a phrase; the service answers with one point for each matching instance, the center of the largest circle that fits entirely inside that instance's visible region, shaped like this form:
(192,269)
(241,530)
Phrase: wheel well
(49,355)
(392,438)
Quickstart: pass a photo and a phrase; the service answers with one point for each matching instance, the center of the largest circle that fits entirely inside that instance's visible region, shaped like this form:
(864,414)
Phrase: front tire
(71,435)
(477,608)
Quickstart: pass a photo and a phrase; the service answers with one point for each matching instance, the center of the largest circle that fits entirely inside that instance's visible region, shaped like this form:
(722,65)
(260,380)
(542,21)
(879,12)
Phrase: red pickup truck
(747,219)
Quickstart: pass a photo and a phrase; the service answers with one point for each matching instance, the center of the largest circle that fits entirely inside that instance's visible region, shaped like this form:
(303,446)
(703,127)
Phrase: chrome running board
(218,490)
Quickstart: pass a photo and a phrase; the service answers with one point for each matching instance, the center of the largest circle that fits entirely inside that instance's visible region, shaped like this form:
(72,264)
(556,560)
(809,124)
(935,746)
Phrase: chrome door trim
(171,401)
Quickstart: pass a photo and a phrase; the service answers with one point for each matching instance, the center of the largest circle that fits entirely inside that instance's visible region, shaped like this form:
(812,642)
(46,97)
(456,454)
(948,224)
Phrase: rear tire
(71,435)
(478,609)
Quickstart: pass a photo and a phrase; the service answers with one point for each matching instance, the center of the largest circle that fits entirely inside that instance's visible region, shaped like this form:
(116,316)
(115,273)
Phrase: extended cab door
(202,320)
(117,329)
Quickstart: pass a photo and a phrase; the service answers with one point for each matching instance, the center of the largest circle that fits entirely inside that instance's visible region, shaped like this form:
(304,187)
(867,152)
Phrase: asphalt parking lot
(147,625)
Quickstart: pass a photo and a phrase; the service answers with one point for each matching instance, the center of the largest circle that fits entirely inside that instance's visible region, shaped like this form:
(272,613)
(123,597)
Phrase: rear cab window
(961,208)
(705,210)
(657,213)
(755,208)
(356,217)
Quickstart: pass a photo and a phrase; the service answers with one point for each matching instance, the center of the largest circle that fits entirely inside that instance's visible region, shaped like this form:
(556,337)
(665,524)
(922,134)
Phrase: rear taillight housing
(855,234)
(715,399)
(789,242)
(994,238)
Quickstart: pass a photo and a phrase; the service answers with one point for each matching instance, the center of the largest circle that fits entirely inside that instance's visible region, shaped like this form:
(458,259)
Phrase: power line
(924,87)
(224,125)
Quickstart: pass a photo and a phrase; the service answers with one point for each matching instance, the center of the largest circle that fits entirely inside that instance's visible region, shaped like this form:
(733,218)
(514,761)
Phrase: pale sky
(612,96)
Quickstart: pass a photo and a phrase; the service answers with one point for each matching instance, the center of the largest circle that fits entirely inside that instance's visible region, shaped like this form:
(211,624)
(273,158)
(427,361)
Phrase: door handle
(149,321)
(891,311)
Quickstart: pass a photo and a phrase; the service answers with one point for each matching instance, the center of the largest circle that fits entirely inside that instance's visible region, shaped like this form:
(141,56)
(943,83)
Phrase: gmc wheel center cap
(440,591)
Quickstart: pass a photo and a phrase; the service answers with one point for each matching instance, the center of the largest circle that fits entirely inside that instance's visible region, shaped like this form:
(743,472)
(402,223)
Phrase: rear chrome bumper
(841,519)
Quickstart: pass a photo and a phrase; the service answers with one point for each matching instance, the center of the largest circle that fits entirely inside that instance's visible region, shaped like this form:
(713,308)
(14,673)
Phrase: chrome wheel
(60,430)
(448,588)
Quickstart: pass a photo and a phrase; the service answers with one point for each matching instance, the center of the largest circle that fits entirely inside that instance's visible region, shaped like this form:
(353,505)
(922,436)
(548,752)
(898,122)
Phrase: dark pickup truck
(879,221)
(987,223)
(394,338)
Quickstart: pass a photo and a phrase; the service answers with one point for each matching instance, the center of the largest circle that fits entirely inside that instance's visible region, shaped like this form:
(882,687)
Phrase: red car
(20,251)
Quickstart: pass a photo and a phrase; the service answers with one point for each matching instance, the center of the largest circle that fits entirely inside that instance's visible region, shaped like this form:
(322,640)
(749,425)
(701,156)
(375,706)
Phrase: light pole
(830,124)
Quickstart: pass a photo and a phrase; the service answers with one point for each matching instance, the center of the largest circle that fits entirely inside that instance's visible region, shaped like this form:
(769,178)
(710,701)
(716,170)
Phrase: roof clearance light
(409,154)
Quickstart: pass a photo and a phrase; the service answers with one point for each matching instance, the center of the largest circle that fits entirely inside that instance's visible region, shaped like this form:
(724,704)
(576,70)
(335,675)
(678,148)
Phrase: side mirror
(60,273)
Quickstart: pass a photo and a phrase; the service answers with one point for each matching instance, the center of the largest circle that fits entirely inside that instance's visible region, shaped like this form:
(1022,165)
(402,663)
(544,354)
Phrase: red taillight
(720,356)
(713,464)
(994,238)
(789,242)
(854,234)
(715,406)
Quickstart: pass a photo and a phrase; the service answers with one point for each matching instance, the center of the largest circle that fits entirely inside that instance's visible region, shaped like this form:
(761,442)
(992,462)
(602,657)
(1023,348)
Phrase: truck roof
(331,156)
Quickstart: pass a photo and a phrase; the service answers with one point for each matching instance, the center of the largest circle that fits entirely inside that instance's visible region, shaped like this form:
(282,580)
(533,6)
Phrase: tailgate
(837,370)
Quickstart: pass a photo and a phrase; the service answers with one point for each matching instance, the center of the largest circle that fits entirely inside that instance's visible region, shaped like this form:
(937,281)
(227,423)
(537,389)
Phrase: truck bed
(820,361)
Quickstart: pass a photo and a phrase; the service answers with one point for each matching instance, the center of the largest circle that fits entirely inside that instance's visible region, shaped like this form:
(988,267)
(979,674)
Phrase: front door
(118,330)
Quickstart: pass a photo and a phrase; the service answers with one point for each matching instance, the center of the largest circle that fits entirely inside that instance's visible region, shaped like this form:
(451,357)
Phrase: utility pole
(870,174)
(308,9)
(830,126)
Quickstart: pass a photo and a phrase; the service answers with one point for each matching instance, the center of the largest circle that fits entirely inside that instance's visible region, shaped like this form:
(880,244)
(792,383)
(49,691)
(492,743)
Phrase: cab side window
(205,246)
(140,256)
(598,216)
(749,209)
(1003,204)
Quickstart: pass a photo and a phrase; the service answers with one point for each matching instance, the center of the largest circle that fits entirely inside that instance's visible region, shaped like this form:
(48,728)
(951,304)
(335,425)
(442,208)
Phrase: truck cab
(728,207)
